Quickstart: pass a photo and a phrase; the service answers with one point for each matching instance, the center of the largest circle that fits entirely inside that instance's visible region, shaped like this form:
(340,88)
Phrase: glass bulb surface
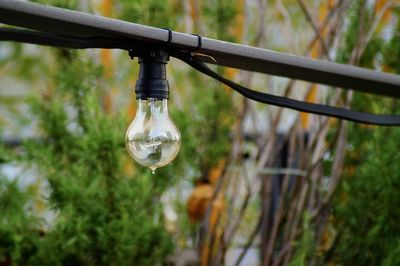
(152,139)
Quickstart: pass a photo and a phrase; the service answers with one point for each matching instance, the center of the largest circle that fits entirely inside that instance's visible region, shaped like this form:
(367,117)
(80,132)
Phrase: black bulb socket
(152,82)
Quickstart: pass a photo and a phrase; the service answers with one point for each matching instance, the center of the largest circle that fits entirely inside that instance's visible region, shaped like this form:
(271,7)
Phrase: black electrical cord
(44,38)
(319,109)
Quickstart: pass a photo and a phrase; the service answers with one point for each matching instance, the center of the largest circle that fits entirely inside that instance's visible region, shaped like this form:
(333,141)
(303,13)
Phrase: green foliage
(19,234)
(366,205)
(70,4)
(305,245)
(214,112)
(104,217)
(371,50)
(219,16)
(213,125)
(104,214)
(391,53)
(151,12)
(23,65)
(351,34)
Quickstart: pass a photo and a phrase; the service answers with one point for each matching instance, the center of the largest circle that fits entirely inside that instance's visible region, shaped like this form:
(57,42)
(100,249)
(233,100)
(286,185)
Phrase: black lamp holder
(152,82)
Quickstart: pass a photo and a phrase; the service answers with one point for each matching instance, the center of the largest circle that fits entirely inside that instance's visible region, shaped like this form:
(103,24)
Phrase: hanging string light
(152,139)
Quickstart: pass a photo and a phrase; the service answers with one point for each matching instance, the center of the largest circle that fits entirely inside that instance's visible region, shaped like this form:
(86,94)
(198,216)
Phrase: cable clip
(199,44)
(169,35)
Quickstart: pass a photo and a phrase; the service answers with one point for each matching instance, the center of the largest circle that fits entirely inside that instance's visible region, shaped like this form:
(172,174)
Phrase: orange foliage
(379,5)
(202,194)
(198,201)
(106,59)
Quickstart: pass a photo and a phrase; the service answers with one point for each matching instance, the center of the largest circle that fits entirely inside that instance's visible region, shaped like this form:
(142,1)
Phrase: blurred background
(252,185)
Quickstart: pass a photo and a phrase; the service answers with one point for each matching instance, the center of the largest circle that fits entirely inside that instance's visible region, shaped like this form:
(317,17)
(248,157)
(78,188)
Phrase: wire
(44,38)
(319,109)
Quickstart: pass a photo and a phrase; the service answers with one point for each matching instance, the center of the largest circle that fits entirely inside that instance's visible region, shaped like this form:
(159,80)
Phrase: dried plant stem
(314,26)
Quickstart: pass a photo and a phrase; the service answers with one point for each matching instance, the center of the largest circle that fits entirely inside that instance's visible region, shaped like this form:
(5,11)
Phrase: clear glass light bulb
(152,139)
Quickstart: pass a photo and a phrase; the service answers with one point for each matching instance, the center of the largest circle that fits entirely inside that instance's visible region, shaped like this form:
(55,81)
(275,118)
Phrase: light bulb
(152,139)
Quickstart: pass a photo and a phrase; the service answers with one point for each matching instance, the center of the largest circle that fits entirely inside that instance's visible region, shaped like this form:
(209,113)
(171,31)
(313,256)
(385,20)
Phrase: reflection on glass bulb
(152,139)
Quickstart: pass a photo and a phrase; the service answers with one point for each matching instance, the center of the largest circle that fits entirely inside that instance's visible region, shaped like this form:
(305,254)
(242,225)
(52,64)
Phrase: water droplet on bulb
(153,170)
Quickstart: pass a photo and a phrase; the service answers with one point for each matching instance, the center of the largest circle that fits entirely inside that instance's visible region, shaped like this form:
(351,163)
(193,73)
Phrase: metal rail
(82,30)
